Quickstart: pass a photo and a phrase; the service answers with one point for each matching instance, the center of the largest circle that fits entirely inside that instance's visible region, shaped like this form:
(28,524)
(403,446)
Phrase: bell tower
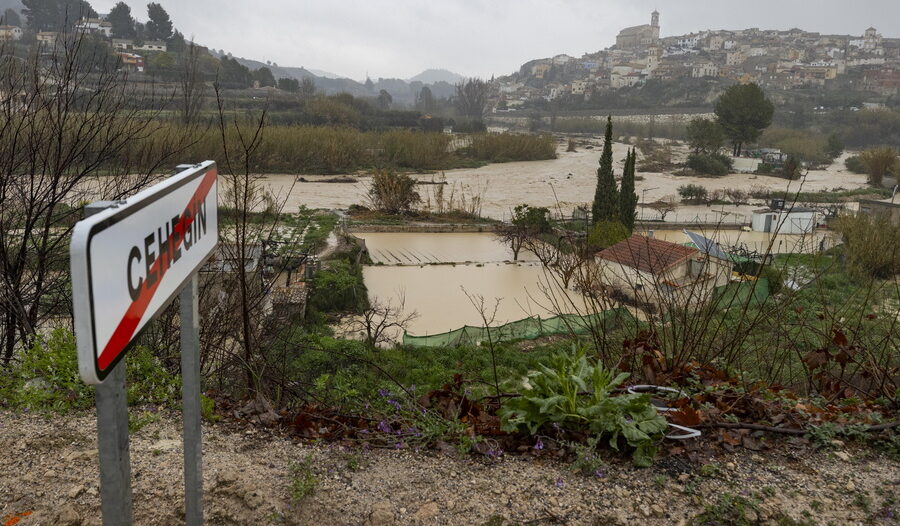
(654,18)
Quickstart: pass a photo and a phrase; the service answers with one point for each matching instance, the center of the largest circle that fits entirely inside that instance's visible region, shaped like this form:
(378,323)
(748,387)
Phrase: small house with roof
(662,274)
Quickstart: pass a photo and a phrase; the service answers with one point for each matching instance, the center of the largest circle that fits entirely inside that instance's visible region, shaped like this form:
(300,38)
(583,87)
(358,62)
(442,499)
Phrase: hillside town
(771,58)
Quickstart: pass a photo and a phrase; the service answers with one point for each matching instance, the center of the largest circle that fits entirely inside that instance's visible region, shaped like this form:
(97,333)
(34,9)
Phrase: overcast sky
(400,38)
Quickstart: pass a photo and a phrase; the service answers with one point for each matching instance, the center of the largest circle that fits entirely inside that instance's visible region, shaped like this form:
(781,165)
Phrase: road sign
(129,260)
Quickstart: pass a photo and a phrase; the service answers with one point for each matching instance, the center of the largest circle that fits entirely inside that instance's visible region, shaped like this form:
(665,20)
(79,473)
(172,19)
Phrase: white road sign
(130,260)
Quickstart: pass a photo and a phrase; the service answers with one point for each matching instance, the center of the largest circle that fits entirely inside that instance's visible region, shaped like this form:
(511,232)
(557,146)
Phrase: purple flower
(599,473)
(394,404)
(398,445)
(560,483)
(539,445)
(384,427)
(384,393)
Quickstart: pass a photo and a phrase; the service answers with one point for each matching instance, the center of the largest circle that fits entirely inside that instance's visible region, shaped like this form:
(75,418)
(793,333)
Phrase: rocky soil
(48,475)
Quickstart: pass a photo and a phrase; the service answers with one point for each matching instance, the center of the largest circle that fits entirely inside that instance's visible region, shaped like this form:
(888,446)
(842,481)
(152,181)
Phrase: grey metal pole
(190,381)
(112,434)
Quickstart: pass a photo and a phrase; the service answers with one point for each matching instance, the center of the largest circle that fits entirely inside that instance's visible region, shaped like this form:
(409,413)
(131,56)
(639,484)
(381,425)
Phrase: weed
(303,479)
(137,420)
(729,509)
(208,409)
(660,481)
(710,470)
(587,459)
(354,460)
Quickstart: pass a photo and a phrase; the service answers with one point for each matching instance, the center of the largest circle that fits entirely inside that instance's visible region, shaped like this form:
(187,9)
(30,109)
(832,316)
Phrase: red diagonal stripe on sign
(125,330)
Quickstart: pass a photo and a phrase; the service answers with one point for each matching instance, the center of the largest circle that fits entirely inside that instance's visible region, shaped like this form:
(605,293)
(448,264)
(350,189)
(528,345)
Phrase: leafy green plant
(574,393)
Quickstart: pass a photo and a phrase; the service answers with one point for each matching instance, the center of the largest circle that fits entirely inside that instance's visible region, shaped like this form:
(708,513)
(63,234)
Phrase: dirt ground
(49,468)
(566,182)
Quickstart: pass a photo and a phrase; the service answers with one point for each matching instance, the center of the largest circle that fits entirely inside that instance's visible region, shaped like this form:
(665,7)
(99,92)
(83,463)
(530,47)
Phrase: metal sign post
(112,433)
(129,259)
(190,411)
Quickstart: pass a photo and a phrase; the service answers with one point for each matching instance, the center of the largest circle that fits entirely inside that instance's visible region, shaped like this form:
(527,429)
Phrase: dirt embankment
(49,468)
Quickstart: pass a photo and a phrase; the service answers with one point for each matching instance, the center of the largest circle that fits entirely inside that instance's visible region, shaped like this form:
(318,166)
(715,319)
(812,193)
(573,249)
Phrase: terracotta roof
(646,254)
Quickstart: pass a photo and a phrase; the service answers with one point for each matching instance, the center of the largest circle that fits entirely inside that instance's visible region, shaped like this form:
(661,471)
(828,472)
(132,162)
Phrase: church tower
(654,18)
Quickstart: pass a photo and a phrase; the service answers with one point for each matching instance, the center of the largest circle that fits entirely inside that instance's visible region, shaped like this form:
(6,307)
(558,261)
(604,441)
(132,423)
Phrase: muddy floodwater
(559,184)
(755,241)
(406,248)
(433,271)
(434,287)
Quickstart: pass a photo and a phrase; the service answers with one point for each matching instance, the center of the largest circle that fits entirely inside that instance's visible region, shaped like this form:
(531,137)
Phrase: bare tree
(378,323)
(72,130)
(192,85)
(664,206)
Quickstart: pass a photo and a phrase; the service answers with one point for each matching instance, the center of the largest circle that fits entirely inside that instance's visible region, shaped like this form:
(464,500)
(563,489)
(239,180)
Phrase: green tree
(425,100)
(384,99)
(289,85)
(122,21)
(233,74)
(606,196)
(159,25)
(11,17)
(264,76)
(744,112)
(834,147)
(627,197)
(606,234)
(879,162)
(705,135)
(526,221)
(55,15)
(176,42)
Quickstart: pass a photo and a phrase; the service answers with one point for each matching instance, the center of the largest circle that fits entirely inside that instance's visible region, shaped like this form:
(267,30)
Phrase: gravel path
(48,468)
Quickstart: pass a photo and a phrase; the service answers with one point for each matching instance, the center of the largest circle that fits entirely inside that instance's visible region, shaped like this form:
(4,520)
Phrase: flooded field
(405,248)
(433,272)
(438,291)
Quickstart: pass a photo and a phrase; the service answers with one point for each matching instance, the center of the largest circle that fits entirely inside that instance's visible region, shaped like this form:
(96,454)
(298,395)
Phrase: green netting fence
(524,329)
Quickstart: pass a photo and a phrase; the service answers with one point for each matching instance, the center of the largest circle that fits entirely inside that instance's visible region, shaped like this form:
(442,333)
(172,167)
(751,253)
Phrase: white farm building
(793,220)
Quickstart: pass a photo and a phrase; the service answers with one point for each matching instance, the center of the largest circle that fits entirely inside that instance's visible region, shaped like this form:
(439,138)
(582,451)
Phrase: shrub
(855,164)
(552,395)
(879,162)
(506,147)
(339,287)
(693,193)
(871,244)
(45,378)
(393,193)
(709,163)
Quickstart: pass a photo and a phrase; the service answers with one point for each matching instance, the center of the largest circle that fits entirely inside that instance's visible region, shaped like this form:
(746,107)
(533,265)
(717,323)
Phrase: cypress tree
(605,197)
(627,197)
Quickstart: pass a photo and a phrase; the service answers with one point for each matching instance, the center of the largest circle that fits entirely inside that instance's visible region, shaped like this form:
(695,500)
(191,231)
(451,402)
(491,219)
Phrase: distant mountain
(402,91)
(433,76)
